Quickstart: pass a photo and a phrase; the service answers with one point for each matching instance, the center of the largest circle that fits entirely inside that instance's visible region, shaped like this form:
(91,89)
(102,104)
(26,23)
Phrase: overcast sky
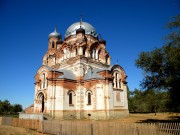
(129,27)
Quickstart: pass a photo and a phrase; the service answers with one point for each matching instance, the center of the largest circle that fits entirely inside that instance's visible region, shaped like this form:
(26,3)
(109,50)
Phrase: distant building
(77,80)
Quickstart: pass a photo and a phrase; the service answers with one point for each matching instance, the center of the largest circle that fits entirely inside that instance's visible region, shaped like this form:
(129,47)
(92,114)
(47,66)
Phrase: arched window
(99,55)
(42,102)
(106,60)
(40,84)
(84,51)
(44,80)
(117,80)
(89,98)
(91,54)
(53,44)
(88,94)
(119,83)
(94,53)
(70,98)
(76,51)
(47,61)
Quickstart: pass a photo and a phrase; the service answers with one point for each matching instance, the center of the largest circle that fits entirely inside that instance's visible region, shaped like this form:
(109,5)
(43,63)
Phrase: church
(77,80)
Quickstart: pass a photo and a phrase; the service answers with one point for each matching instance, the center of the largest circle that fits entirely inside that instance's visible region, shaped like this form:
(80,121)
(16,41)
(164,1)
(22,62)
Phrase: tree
(6,108)
(148,101)
(17,108)
(161,66)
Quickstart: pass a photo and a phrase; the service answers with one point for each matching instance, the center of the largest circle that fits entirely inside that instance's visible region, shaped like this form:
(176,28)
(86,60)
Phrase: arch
(121,70)
(71,91)
(40,97)
(88,91)
(94,45)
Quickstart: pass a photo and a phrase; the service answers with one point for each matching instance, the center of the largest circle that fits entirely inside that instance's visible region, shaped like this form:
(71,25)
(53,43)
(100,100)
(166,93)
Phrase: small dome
(80,30)
(59,42)
(102,41)
(54,34)
(89,29)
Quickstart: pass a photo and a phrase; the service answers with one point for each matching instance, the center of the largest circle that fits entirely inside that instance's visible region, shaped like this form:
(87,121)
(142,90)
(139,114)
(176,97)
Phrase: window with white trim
(88,97)
(116,80)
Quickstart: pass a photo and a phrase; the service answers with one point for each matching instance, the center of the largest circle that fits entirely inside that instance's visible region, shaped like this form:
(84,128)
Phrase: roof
(54,34)
(67,74)
(92,74)
(89,29)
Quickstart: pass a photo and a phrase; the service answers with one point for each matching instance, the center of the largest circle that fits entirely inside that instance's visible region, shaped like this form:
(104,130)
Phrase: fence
(109,128)
(25,123)
(93,127)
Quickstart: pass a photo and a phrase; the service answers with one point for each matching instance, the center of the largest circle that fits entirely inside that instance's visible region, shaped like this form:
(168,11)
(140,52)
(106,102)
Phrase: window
(88,94)
(47,61)
(84,51)
(106,60)
(52,44)
(71,95)
(70,98)
(40,84)
(89,98)
(76,52)
(119,83)
(44,80)
(116,80)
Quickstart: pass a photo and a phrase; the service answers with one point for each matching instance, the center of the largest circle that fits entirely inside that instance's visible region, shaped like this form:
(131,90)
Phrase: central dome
(89,29)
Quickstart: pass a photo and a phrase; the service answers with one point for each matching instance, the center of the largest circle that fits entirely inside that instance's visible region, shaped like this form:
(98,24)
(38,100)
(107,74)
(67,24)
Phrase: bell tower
(54,43)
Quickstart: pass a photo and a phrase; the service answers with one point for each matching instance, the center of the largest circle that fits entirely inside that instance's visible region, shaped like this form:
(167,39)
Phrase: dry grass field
(146,118)
(133,118)
(151,118)
(9,130)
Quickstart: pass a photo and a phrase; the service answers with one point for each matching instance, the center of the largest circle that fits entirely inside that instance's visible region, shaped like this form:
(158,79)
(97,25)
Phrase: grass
(9,130)
(145,118)
(150,118)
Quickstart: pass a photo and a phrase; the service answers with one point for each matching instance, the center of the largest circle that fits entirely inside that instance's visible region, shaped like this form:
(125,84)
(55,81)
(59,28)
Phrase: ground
(147,118)
(151,118)
(133,118)
(8,130)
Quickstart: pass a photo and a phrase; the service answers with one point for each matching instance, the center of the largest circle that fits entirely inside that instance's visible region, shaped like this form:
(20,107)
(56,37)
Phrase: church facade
(76,79)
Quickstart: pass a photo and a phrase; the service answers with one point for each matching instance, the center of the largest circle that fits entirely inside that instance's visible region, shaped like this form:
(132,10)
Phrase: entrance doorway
(40,98)
(42,110)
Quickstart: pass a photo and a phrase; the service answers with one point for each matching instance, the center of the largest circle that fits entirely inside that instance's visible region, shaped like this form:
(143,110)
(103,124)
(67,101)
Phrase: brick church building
(76,79)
